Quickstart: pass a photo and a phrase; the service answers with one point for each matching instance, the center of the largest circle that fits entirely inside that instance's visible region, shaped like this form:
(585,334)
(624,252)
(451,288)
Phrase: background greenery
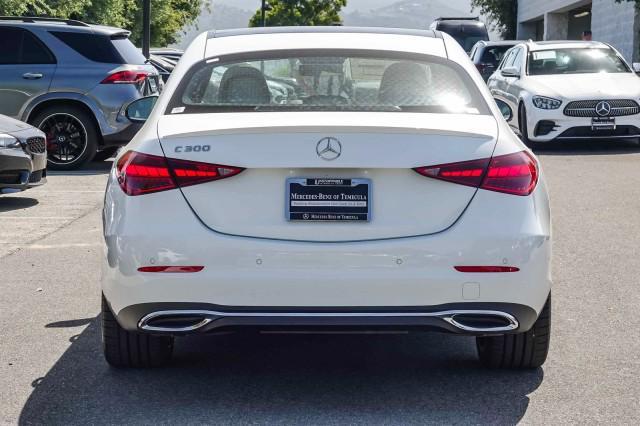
(503,14)
(168,17)
(300,12)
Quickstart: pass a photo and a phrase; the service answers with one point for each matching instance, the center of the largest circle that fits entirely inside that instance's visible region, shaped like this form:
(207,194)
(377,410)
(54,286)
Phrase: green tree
(503,15)
(300,12)
(168,17)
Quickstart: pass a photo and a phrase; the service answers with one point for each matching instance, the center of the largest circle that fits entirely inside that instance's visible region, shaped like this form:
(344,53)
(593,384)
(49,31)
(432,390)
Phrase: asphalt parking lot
(52,370)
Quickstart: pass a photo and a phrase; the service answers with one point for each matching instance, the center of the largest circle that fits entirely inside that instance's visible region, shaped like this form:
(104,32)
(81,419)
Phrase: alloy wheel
(66,138)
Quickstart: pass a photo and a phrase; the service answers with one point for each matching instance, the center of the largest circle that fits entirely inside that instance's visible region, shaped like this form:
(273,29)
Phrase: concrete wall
(615,23)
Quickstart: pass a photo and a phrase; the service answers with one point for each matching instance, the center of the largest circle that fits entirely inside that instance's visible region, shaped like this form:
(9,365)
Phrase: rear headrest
(243,84)
(404,83)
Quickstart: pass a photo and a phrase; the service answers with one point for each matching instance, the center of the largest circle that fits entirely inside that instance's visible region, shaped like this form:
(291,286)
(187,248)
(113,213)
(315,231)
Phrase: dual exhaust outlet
(192,321)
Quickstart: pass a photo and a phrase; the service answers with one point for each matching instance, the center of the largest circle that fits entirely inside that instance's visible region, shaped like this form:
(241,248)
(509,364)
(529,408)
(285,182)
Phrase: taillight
(125,77)
(140,174)
(480,67)
(515,173)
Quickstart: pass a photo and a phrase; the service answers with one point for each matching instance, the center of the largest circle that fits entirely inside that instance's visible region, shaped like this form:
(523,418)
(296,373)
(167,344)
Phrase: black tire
(518,351)
(106,153)
(522,124)
(78,130)
(128,349)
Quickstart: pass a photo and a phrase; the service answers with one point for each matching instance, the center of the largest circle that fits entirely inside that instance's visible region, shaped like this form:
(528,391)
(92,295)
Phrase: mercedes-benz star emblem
(329,148)
(603,109)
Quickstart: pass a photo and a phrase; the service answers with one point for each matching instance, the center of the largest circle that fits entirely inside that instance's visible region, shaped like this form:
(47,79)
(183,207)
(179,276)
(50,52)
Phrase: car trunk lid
(380,148)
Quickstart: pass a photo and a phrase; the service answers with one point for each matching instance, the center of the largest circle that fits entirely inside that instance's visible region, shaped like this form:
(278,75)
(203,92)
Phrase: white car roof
(226,42)
(565,44)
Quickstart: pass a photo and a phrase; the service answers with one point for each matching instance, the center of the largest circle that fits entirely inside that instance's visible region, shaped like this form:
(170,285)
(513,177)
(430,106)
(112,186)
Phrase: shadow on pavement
(93,168)
(293,379)
(587,147)
(8,203)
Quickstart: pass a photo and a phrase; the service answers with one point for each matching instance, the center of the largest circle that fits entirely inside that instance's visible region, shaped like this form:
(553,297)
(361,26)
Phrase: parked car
(23,156)
(568,90)
(333,210)
(466,31)
(167,53)
(486,55)
(162,65)
(71,80)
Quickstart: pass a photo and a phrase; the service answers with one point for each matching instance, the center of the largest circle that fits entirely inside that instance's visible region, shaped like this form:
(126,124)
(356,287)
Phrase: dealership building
(615,23)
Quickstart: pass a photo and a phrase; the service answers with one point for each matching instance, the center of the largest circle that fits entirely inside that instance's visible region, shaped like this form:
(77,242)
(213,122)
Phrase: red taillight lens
(483,269)
(143,173)
(140,174)
(125,77)
(468,173)
(515,173)
(171,269)
(192,173)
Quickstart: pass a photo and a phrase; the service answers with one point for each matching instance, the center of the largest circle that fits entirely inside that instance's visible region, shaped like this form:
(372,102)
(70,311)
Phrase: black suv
(466,31)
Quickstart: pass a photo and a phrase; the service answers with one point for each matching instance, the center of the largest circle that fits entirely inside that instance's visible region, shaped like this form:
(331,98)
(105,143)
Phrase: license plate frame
(603,123)
(337,199)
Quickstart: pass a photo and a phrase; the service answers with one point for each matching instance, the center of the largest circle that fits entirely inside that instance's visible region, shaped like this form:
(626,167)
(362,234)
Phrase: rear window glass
(328,81)
(95,47)
(34,52)
(129,52)
(18,46)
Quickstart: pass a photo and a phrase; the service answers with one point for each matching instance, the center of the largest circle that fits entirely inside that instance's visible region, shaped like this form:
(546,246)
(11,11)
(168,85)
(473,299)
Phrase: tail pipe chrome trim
(197,319)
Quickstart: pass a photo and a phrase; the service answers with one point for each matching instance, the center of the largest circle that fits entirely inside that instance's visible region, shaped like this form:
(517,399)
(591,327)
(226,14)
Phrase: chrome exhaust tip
(481,321)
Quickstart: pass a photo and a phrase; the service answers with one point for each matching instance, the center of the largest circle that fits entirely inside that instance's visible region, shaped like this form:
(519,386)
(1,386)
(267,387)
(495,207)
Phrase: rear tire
(77,130)
(518,351)
(129,349)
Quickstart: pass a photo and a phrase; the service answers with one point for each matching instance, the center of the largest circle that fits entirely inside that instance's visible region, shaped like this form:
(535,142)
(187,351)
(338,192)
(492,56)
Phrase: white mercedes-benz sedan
(325,180)
(568,90)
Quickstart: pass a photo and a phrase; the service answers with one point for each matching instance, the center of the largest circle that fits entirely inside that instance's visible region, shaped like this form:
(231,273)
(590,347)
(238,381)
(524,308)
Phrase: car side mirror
(139,110)
(636,67)
(510,72)
(505,109)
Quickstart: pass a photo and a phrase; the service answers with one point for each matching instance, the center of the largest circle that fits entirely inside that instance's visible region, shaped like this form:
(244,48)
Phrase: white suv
(325,179)
(568,90)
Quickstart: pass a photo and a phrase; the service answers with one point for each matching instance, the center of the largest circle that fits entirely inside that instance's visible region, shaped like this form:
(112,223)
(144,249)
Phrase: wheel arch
(42,104)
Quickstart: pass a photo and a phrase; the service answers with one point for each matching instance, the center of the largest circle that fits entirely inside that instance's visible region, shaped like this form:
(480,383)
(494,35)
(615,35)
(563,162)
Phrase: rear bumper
(458,318)
(401,276)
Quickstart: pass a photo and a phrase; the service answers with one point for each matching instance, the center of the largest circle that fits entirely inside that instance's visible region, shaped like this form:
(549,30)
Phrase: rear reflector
(125,77)
(515,173)
(140,174)
(486,268)
(171,269)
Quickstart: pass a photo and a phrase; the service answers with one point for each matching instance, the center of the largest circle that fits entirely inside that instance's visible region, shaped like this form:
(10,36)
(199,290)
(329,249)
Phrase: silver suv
(72,80)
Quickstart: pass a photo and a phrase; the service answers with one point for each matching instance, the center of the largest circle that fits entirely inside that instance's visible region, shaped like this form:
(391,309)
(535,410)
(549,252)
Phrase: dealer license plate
(603,123)
(328,199)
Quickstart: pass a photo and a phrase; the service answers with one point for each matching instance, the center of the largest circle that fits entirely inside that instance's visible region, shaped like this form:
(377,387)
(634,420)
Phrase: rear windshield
(575,61)
(128,51)
(467,34)
(327,81)
(101,48)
